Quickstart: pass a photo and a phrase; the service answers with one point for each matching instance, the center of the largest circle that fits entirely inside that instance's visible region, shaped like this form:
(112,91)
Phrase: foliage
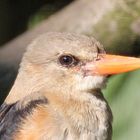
(123,94)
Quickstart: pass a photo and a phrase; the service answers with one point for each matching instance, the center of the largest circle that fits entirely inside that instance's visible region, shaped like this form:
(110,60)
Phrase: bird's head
(64,62)
(58,61)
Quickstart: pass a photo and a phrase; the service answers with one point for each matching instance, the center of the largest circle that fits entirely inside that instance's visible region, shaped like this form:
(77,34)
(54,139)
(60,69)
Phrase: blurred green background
(123,91)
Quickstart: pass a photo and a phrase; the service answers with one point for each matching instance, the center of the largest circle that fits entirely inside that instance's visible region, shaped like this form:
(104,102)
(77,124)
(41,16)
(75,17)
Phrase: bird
(57,93)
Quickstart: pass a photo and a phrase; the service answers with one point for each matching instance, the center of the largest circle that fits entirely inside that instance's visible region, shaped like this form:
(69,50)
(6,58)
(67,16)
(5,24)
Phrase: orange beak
(112,64)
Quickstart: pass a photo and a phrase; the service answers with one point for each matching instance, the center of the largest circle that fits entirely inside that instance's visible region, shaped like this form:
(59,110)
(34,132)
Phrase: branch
(69,19)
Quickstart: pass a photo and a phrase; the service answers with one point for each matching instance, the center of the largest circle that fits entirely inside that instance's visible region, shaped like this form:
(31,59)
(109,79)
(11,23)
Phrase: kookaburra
(57,92)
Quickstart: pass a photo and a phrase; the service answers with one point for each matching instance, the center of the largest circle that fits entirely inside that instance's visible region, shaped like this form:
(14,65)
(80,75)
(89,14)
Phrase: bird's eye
(68,60)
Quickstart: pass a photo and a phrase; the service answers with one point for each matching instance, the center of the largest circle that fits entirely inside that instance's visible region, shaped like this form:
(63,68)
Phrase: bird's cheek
(85,83)
(83,71)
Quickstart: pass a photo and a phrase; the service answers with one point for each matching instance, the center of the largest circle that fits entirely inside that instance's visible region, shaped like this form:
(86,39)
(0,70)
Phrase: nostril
(97,59)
